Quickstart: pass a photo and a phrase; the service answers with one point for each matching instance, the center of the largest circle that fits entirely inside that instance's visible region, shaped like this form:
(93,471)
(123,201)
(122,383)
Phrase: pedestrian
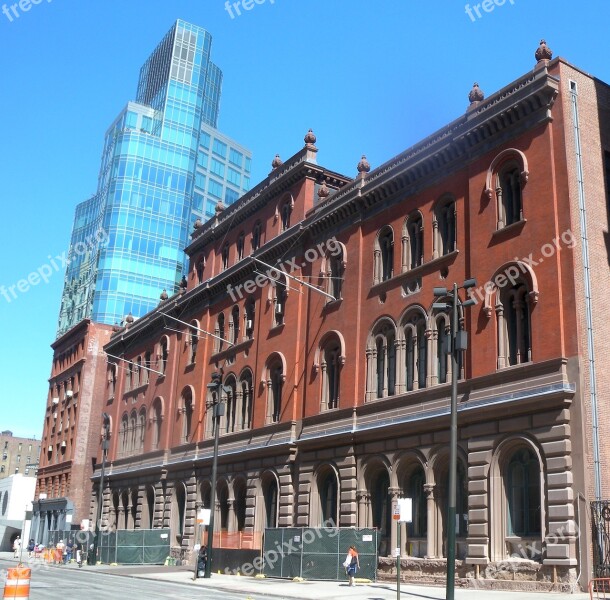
(69,549)
(59,552)
(17,547)
(31,546)
(202,560)
(79,554)
(352,564)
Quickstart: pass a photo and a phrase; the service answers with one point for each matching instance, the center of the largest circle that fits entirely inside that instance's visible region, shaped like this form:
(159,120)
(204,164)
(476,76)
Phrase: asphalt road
(79,584)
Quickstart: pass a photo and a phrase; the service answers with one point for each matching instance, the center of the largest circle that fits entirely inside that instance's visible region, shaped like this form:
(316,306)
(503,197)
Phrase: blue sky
(369,77)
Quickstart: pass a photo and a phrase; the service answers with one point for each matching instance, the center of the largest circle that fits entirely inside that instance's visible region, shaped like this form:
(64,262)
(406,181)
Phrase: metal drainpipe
(587,281)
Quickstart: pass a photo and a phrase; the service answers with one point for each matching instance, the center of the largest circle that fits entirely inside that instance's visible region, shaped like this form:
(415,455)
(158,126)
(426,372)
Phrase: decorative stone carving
(364,165)
(276,162)
(476,94)
(543,52)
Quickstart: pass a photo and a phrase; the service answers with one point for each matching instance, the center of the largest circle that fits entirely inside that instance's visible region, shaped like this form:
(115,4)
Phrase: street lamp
(105,443)
(459,343)
(218,411)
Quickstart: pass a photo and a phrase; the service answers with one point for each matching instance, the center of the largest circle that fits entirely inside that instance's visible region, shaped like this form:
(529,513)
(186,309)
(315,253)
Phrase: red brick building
(338,400)
(72,425)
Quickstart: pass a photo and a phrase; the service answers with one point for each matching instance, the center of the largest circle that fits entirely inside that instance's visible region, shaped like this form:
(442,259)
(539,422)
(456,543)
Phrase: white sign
(84,524)
(68,518)
(367,538)
(405,506)
(164,536)
(297,538)
(203,516)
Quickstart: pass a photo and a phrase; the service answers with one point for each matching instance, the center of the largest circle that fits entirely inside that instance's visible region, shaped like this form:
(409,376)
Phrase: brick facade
(298,448)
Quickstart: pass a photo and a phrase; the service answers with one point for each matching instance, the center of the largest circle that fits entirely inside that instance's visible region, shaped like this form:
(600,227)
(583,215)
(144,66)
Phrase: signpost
(402,513)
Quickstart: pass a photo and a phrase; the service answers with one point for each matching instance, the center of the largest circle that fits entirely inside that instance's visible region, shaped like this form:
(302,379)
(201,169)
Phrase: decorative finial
(310,138)
(183,284)
(364,165)
(323,191)
(219,208)
(163,297)
(476,94)
(197,224)
(543,52)
(276,162)
(116,327)
(129,319)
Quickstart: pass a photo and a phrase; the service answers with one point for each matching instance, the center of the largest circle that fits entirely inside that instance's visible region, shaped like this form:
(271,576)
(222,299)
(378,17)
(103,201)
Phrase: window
(199,267)
(163,354)
(204,139)
(444,239)
(138,371)
(328,499)
(241,242)
(275,383)
(234,177)
(157,421)
(220,332)
(131,120)
(187,412)
(523,491)
(249,319)
(256,237)
(234,325)
(270,491)
(1,468)
(219,148)
(217,168)
(383,254)
(200,180)
(245,410)
(202,160)
(18,459)
(215,188)
(414,489)
(148,365)
(330,366)
(285,213)
(225,257)
(416,352)
(441,348)
(513,315)
(510,209)
(146,124)
(236,157)
(280,296)
(231,421)
(194,341)
(333,270)
(230,195)
(381,361)
(413,242)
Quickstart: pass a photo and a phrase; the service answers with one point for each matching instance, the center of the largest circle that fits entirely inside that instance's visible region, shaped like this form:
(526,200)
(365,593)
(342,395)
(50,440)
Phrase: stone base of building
(517,576)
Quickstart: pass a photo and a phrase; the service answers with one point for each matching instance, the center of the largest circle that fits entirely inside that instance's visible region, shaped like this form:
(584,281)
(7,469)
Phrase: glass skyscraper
(164,164)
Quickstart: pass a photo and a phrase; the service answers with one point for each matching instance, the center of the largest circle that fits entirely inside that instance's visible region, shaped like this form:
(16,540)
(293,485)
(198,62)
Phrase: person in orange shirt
(352,564)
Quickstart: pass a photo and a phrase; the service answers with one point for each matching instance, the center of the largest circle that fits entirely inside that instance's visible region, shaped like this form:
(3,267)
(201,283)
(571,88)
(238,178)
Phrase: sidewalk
(307,590)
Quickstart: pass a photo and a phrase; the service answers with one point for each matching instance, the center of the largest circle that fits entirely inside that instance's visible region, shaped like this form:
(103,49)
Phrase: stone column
(429,491)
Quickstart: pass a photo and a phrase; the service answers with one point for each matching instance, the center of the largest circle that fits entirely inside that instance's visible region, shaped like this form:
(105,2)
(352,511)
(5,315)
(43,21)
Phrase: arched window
(163,354)
(134,437)
(157,421)
(241,243)
(234,325)
(129,377)
(280,295)
(199,267)
(383,267)
(123,435)
(256,236)
(414,489)
(231,421)
(194,340)
(148,365)
(225,256)
(111,375)
(331,364)
(416,352)
(513,314)
(240,494)
(507,176)
(523,491)
(444,238)
(187,414)
(270,498)
(441,349)
(333,269)
(275,378)
(142,429)
(249,319)
(381,361)
(328,498)
(285,213)
(138,371)
(219,341)
(245,413)
(179,512)
(381,506)
(509,195)
(413,242)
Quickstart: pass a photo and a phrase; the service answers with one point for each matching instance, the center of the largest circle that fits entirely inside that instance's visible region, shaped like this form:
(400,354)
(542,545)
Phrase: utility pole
(105,444)
(218,411)
(458,343)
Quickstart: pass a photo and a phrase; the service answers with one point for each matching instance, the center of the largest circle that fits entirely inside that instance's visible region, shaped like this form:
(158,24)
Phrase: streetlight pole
(459,343)
(218,411)
(106,435)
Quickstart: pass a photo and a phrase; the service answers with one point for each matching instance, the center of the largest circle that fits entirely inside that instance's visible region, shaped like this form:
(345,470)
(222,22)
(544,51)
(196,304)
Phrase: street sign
(405,510)
(396,512)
